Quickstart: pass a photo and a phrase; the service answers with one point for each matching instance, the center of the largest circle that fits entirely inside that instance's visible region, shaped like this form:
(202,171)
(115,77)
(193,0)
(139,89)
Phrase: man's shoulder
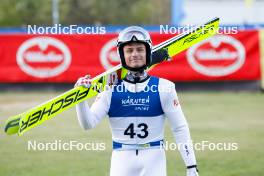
(163,81)
(107,91)
(166,87)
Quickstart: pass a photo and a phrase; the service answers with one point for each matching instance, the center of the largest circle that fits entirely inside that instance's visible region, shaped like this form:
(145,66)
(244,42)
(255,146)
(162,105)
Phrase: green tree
(86,12)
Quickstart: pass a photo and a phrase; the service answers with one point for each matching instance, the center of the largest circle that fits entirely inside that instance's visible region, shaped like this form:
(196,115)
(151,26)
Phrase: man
(137,107)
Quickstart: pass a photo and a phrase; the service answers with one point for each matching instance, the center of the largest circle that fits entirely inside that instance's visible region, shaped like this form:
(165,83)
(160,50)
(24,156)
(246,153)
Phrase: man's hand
(84,81)
(192,172)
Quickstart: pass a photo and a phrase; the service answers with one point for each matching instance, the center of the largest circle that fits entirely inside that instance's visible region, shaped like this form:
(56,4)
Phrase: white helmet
(134,34)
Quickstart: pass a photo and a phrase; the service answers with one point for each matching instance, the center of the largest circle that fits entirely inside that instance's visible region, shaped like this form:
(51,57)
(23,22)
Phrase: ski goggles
(134,33)
(134,36)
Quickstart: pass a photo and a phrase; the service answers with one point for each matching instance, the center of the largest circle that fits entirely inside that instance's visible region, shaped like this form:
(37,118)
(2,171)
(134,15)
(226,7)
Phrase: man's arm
(90,117)
(177,121)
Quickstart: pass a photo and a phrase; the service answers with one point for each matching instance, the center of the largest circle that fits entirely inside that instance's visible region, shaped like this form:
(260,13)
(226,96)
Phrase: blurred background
(15,13)
(219,81)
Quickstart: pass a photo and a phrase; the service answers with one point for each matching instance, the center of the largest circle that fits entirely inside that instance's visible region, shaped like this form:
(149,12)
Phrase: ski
(23,122)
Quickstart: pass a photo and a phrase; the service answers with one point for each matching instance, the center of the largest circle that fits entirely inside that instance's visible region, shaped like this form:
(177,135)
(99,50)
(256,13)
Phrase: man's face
(135,54)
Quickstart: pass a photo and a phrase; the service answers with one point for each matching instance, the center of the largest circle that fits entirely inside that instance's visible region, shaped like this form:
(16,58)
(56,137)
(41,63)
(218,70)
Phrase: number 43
(130,131)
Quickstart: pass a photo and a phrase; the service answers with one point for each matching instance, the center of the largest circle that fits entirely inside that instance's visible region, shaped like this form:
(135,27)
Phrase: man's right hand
(84,81)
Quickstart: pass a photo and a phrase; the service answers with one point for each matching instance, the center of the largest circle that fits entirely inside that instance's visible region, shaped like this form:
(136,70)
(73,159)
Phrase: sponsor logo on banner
(43,57)
(218,56)
(108,55)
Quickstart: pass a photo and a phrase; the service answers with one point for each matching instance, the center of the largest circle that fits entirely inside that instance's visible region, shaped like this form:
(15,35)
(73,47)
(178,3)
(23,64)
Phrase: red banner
(64,58)
(222,57)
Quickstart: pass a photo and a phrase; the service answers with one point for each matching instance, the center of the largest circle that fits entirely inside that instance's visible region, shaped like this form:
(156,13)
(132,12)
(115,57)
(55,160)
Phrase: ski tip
(12,125)
(216,19)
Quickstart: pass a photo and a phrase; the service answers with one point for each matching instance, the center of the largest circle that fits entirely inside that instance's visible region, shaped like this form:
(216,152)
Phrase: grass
(217,117)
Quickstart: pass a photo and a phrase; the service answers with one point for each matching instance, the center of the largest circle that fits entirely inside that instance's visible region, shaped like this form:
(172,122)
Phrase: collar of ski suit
(136,77)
